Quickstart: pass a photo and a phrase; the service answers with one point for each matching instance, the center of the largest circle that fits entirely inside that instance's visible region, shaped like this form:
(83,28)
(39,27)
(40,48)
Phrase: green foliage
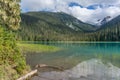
(37,48)
(10,54)
(9,13)
(12,62)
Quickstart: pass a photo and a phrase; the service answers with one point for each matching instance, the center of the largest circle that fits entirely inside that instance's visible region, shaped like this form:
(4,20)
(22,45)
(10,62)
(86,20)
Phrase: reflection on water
(74,53)
(92,69)
(86,56)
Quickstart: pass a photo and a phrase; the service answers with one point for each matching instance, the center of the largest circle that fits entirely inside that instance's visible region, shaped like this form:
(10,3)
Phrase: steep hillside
(111,30)
(61,18)
(114,22)
(51,26)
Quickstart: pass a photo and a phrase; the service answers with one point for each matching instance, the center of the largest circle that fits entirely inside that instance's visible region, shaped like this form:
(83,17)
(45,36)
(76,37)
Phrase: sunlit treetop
(10,14)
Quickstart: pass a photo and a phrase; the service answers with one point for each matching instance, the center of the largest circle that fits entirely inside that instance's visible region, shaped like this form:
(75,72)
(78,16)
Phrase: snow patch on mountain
(70,25)
(104,20)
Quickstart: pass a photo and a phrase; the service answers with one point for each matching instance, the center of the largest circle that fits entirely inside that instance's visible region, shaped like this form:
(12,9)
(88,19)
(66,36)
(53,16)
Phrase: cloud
(85,10)
(37,5)
(92,15)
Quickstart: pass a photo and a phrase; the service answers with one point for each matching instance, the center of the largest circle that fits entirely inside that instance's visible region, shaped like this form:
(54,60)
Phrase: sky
(89,11)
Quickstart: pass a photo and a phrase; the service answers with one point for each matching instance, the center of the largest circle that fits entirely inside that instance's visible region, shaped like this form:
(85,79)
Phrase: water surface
(73,55)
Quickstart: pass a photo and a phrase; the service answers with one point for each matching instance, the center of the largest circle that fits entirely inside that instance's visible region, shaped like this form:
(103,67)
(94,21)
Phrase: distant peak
(104,20)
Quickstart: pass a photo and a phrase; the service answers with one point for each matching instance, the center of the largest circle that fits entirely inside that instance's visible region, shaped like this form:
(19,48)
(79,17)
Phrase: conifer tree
(10,14)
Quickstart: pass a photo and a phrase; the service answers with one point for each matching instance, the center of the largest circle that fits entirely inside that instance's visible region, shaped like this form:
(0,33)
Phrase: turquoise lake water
(75,53)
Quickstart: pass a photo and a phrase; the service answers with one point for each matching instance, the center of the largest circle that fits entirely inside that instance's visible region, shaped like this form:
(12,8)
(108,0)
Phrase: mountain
(110,30)
(115,21)
(51,26)
(61,18)
(103,21)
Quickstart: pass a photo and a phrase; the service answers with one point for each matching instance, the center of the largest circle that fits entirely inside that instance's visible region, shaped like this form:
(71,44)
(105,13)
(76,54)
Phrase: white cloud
(84,14)
(81,13)
(91,16)
(36,5)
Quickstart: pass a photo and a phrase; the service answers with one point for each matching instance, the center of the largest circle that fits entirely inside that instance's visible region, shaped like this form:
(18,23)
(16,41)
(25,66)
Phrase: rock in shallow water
(92,69)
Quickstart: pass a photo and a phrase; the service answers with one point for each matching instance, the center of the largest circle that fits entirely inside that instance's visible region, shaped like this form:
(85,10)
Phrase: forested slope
(49,26)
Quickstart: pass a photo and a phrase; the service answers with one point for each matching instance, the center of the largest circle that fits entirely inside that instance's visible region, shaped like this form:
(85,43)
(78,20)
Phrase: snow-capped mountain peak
(104,20)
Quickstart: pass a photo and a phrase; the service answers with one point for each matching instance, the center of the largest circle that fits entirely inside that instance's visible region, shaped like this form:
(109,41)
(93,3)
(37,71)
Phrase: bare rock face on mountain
(104,20)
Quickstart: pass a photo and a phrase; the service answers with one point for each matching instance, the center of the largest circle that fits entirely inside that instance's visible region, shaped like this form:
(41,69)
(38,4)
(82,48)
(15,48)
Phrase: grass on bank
(37,48)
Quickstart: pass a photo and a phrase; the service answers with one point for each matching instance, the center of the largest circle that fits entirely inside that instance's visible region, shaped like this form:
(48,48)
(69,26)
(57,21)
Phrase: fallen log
(48,66)
(32,73)
(28,75)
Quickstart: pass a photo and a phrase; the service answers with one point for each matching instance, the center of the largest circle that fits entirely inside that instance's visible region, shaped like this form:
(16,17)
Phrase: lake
(80,61)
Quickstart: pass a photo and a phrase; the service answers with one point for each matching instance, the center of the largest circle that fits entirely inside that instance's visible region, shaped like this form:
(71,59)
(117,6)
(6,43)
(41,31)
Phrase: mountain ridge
(61,16)
(61,26)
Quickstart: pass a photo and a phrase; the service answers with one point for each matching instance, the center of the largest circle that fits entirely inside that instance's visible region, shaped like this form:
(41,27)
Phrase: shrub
(10,54)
